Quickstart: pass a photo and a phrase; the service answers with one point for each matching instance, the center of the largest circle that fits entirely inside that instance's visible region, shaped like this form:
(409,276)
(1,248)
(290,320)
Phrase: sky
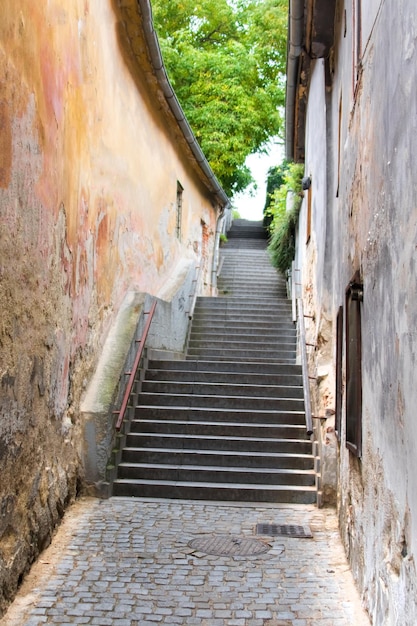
(250,206)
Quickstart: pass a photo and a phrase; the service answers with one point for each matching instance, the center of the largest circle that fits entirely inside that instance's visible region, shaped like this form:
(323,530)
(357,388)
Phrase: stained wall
(89,164)
(370,227)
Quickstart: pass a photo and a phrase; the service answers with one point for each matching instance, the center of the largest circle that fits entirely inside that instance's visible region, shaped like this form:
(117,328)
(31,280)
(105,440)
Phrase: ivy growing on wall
(283,215)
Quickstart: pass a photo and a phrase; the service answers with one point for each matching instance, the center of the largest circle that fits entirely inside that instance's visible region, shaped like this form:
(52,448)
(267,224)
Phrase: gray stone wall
(370,220)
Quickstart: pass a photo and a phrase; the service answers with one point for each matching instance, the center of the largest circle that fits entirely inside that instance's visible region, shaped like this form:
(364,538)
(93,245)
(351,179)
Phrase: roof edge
(172,100)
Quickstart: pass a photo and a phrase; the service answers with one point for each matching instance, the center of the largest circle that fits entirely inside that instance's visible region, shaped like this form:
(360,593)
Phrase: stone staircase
(226,423)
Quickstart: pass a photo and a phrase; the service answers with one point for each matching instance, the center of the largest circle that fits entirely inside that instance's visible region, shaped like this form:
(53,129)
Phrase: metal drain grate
(284,530)
(229,546)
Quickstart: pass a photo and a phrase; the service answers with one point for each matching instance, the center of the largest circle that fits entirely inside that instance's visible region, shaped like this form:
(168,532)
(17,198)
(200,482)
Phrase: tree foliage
(275,178)
(226,61)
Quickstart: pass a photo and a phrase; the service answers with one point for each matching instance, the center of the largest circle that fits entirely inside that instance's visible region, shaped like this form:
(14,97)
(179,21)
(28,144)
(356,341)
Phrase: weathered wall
(89,164)
(311,258)
(372,215)
(379,494)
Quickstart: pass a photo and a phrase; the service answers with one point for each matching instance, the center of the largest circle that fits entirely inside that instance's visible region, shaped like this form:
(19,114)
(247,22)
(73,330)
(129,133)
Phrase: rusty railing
(132,373)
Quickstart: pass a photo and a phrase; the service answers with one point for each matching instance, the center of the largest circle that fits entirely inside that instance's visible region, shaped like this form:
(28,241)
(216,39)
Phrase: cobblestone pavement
(128,562)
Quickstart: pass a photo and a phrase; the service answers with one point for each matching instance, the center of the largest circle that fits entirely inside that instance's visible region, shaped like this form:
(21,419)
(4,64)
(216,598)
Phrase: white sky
(251,207)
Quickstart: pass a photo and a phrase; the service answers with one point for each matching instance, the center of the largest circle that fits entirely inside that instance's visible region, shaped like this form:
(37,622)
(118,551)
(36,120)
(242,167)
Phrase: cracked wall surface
(89,164)
(362,137)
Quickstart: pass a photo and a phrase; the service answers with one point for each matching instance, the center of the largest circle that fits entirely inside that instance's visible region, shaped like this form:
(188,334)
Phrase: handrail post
(293,292)
(135,366)
(304,366)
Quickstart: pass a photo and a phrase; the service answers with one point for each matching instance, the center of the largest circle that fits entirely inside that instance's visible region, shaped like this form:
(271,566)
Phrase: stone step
(224,458)
(280,344)
(223,389)
(224,402)
(246,307)
(203,322)
(242,378)
(246,270)
(220,443)
(224,356)
(234,288)
(234,318)
(244,288)
(243,302)
(273,310)
(261,355)
(252,328)
(285,335)
(292,419)
(216,474)
(219,428)
(293,494)
(238,367)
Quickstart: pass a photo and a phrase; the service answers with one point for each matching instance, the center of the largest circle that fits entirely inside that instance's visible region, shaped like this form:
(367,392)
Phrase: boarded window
(357,41)
(339,371)
(354,297)
(180,190)
(309,202)
(339,145)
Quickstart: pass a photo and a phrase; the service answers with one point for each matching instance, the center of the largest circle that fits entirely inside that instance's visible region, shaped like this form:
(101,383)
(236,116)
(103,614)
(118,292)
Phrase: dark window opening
(354,298)
(339,372)
(309,208)
(357,42)
(180,191)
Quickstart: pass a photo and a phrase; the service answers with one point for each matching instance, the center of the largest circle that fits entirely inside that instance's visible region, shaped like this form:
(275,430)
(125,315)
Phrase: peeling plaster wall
(371,213)
(89,164)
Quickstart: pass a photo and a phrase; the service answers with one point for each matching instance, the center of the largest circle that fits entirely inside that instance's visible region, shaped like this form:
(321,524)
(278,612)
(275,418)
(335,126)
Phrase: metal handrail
(293,292)
(135,366)
(304,366)
(220,266)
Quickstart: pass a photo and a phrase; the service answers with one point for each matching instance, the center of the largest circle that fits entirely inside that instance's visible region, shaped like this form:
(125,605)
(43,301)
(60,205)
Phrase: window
(309,202)
(339,371)
(180,191)
(307,188)
(339,144)
(354,298)
(357,41)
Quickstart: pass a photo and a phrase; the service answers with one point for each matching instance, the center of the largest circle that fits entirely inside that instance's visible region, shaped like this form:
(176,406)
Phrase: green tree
(226,61)
(275,178)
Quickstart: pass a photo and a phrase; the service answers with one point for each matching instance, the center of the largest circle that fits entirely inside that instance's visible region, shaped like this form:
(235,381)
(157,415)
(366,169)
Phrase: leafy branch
(283,221)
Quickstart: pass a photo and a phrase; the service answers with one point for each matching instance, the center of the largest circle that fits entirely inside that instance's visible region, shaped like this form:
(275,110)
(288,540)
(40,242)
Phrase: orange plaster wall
(88,179)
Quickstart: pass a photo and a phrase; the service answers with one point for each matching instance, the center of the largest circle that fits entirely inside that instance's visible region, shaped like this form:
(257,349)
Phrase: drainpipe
(295,41)
(216,253)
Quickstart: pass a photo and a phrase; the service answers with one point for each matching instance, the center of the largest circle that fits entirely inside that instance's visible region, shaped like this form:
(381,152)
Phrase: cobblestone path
(128,562)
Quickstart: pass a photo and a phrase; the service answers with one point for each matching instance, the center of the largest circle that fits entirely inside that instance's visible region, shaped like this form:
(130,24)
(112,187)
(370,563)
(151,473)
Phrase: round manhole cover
(229,546)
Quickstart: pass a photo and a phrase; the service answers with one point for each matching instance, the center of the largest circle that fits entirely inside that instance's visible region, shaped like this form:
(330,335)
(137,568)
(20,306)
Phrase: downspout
(216,254)
(294,48)
(171,98)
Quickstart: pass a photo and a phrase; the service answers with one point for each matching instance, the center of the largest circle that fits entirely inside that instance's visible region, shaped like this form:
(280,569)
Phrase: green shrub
(283,224)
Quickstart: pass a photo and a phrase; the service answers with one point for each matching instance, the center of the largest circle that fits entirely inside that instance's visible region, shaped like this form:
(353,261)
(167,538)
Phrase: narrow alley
(201,424)
(254,550)
(138,562)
